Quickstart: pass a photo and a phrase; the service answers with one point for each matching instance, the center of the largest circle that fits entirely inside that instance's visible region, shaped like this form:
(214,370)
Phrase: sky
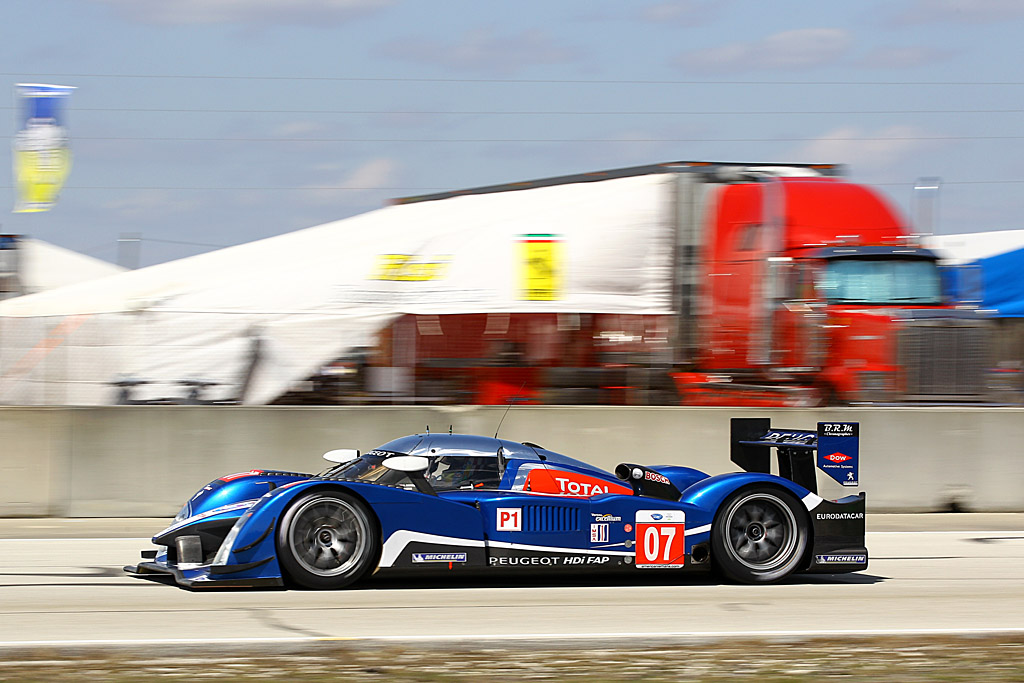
(199,124)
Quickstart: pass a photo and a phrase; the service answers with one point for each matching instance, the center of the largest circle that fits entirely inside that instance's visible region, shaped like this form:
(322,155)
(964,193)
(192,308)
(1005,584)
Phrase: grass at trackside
(839,658)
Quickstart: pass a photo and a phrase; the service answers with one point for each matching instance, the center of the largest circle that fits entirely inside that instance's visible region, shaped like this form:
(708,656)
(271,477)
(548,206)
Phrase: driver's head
(453,469)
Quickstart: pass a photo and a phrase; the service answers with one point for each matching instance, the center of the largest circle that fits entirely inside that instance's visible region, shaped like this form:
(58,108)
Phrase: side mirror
(407,463)
(341,455)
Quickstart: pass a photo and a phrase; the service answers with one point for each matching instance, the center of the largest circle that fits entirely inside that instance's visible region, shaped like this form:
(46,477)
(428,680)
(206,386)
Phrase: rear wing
(834,448)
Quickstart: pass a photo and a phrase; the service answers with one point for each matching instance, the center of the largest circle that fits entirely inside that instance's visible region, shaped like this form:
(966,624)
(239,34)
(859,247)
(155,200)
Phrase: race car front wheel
(327,540)
(759,535)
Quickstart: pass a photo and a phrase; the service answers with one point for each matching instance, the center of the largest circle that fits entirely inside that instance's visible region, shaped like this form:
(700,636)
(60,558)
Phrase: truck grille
(944,360)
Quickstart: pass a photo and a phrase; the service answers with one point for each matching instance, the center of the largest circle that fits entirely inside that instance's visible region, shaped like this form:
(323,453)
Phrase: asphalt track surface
(61,586)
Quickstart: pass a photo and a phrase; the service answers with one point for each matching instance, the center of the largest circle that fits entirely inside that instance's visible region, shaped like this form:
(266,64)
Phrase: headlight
(185,512)
(221,558)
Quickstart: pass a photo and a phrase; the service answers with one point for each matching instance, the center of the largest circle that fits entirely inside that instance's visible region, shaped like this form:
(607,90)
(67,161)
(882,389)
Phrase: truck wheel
(759,535)
(327,540)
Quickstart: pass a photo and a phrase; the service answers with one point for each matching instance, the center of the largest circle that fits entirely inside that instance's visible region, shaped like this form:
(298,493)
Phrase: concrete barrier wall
(127,461)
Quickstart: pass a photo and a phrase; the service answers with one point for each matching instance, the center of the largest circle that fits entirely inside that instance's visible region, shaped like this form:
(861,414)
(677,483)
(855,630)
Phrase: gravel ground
(853,659)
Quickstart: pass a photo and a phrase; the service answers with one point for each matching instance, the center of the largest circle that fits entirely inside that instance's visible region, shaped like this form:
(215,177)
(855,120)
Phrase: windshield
(369,467)
(445,473)
(881,281)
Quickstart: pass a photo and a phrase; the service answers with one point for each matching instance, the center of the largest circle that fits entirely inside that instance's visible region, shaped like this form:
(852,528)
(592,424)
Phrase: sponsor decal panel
(655,477)
(598,533)
(410,267)
(231,477)
(510,519)
(839,515)
(660,539)
(570,484)
(599,517)
(855,558)
(542,261)
(838,451)
(790,437)
(549,560)
(438,557)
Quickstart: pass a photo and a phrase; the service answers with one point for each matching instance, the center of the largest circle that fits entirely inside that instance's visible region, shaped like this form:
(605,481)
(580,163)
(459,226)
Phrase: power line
(412,189)
(188,244)
(552,81)
(547,140)
(486,112)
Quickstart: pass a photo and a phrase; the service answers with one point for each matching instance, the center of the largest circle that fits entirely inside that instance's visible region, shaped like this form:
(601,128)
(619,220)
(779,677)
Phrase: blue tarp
(1003,275)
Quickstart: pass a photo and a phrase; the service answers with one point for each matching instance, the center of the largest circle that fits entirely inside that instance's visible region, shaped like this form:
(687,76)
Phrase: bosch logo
(838,457)
(655,477)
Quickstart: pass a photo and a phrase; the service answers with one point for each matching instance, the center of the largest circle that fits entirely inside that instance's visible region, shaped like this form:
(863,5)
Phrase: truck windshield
(881,281)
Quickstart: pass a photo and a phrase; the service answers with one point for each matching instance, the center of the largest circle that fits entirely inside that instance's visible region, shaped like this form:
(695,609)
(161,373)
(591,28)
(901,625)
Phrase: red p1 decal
(510,519)
(660,539)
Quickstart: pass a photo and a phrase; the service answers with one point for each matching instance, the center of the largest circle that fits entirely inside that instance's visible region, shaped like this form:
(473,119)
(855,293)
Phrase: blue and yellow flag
(42,157)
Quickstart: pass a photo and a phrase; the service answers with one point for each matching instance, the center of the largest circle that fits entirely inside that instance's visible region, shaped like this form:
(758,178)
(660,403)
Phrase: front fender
(251,546)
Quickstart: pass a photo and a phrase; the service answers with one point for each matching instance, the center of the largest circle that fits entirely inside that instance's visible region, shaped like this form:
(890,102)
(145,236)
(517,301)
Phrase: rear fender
(710,493)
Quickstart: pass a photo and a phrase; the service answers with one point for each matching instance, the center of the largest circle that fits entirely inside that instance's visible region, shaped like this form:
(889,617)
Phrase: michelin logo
(840,559)
(438,557)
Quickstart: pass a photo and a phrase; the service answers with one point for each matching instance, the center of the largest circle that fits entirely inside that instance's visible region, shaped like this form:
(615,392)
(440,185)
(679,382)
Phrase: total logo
(838,457)
(579,488)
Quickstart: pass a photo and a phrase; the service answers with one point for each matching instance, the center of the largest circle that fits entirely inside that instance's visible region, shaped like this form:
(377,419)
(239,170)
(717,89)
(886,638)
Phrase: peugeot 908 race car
(457,503)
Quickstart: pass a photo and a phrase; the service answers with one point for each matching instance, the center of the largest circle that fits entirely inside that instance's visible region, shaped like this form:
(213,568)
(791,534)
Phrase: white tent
(307,296)
(972,246)
(43,266)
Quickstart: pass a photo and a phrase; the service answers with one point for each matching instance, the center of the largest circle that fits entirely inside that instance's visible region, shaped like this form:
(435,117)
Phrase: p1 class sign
(839,451)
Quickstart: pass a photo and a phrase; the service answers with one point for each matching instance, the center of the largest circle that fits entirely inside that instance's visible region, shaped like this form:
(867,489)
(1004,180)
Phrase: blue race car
(457,503)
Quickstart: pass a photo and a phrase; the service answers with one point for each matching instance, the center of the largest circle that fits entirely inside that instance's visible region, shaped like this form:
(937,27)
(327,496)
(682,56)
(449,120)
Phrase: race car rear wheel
(759,535)
(327,540)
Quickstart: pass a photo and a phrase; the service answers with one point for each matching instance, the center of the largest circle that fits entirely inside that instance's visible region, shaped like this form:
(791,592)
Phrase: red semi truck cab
(816,291)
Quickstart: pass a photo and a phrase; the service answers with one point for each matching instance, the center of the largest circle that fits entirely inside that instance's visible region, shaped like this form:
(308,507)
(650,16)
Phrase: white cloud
(865,150)
(293,12)
(682,12)
(375,173)
(141,205)
(961,11)
(798,49)
(369,178)
(300,129)
(903,57)
(484,50)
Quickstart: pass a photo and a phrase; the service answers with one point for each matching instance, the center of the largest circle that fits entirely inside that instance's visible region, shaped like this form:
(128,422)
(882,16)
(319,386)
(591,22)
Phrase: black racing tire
(327,540)
(759,535)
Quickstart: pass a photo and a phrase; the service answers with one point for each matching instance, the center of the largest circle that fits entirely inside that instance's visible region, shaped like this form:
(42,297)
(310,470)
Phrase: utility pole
(128,249)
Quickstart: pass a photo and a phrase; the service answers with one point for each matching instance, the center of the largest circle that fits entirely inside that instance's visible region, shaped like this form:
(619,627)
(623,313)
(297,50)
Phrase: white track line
(680,635)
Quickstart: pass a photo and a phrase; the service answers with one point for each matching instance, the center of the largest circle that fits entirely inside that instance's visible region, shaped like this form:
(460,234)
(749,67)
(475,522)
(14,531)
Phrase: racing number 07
(660,539)
(652,542)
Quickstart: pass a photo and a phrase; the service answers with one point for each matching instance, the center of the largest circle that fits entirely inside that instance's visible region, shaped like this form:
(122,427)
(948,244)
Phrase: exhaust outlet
(699,554)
